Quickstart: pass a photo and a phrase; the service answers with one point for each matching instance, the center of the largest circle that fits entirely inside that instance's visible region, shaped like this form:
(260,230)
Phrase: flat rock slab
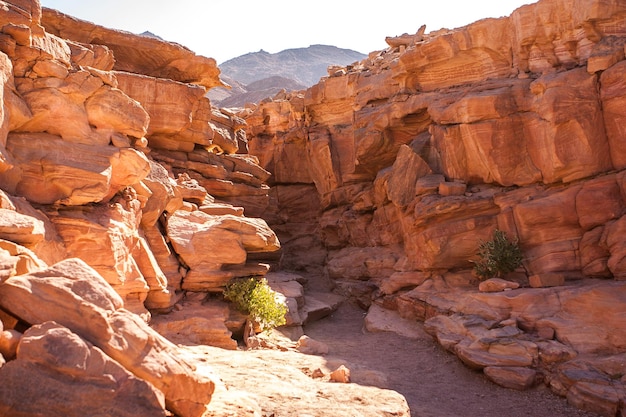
(318,305)
(379,319)
(286,384)
(513,377)
(197,324)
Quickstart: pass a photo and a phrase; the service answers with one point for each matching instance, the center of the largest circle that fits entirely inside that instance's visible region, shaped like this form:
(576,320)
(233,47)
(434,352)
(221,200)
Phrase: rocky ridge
(238,95)
(303,65)
(392,171)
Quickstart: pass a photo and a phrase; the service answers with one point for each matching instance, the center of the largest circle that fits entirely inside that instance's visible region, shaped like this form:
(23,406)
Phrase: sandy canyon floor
(434,382)
(275,383)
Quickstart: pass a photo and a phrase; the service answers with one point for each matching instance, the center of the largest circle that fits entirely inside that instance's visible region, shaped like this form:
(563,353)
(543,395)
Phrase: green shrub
(497,256)
(255,297)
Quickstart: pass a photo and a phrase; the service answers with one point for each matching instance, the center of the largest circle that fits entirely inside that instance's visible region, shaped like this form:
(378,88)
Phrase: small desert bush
(497,256)
(255,297)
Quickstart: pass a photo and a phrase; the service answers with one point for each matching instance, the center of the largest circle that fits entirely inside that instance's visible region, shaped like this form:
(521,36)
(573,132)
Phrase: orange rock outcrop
(121,188)
(418,153)
(132,53)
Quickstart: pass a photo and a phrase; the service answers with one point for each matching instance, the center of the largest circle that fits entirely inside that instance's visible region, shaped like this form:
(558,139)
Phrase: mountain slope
(304,65)
(291,69)
(258,90)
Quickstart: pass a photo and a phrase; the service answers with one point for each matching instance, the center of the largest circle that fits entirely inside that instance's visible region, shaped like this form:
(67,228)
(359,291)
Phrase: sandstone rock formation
(304,388)
(66,366)
(131,53)
(418,153)
(125,194)
(109,152)
(73,295)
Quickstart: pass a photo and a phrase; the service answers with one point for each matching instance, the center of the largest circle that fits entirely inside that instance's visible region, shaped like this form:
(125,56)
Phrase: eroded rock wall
(436,141)
(420,152)
(108,155)
(121,189)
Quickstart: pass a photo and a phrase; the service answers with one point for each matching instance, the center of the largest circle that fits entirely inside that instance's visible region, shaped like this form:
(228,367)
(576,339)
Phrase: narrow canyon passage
(434,382)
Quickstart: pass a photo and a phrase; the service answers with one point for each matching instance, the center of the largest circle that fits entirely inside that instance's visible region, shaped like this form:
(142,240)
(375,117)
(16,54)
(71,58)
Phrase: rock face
(126,157)
(419,152)
(121,188)
(73,295)
(65,365)
(131,53)
(215,248)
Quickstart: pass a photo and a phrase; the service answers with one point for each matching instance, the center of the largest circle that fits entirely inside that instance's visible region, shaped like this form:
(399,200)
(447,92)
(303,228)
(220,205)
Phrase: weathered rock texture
(124,191)
(298,385)
(126,158)
(73,295)
(55,363)
(418,153)
(131,53)
(121,188)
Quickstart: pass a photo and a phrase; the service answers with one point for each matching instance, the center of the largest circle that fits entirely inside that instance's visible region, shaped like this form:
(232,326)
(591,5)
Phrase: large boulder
(106,237)
(208,243)
(75,296)
(49,170)
(53,363)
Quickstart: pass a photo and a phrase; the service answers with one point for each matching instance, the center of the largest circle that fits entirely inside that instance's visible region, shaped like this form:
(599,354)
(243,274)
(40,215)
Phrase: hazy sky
(224,29)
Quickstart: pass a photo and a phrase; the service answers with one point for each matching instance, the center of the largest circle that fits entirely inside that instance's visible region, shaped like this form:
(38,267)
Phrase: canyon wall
(499,119)
(121,190)
(391,172)
(418,153)
(118,161)
(124,194)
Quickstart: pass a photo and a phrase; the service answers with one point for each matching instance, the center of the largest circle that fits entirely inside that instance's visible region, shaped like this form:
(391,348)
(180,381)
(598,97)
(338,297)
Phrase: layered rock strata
(121,190)
(48,297)
(418,153)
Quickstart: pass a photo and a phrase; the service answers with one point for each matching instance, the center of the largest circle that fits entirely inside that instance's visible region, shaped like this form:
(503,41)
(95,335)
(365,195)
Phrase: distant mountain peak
(303,65)
(258,73)
(151,35)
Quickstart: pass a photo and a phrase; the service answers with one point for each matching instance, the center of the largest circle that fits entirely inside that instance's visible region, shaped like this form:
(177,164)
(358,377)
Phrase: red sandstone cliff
(108,147)
(127,202)
(400,166)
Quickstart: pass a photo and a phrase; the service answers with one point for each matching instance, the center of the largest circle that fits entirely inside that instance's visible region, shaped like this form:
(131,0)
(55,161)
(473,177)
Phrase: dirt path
(434,382)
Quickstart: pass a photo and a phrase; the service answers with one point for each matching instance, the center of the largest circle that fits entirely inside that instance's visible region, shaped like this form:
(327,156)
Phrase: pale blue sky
(224,29)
